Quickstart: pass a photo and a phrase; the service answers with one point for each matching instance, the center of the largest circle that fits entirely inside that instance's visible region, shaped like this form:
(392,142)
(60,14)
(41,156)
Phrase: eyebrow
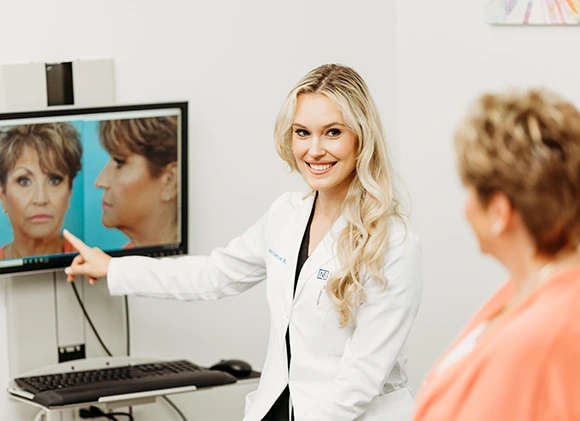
(28,171)
(326,126)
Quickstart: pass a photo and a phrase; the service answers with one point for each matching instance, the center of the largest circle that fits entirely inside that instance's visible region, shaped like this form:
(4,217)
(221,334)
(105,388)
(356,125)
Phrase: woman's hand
(91,262)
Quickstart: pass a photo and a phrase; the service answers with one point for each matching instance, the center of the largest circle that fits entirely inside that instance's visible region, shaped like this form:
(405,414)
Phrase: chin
(317,185)
(39,232)
(106,223)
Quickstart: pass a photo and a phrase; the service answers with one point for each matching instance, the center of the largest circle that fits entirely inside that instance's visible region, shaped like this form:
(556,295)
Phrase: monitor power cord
(165,398)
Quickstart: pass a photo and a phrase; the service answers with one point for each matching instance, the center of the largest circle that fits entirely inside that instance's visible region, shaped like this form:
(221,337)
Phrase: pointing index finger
(76,242)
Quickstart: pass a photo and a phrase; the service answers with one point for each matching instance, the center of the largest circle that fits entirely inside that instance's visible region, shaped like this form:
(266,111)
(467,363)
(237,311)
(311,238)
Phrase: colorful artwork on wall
(533,12)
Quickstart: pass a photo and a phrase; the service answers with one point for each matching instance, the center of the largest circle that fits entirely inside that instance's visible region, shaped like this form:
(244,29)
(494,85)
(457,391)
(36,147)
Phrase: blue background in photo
(84,215)
(94,160)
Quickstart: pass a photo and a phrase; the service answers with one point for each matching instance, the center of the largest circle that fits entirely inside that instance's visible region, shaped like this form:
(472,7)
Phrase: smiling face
(131,193)
(36,202)
(323,146)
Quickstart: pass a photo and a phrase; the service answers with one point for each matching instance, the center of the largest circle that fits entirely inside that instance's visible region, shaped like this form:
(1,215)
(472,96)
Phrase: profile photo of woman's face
(131,193)
(35,201)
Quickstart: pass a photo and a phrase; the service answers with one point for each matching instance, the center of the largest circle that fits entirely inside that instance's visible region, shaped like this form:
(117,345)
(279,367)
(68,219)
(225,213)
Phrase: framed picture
(533,12)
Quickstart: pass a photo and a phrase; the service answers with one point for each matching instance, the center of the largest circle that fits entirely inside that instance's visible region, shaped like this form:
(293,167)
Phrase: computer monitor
(114,176)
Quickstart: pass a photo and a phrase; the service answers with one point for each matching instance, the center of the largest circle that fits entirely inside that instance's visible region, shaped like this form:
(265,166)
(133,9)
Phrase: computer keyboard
(90,385)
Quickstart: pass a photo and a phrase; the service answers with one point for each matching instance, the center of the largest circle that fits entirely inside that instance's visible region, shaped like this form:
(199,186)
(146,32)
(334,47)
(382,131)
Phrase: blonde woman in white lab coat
(342,265)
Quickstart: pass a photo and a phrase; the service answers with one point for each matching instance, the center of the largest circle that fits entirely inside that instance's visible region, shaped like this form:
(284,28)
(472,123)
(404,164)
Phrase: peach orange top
(526,367)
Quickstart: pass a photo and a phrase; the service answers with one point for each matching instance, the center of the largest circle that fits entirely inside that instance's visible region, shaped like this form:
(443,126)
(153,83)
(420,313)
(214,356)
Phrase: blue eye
(119,162)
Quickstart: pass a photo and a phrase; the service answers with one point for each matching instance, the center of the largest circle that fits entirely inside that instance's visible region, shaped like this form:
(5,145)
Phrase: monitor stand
(46,326)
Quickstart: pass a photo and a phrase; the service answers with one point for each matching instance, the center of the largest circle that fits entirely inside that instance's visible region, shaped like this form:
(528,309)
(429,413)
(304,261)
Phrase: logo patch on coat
(323,274)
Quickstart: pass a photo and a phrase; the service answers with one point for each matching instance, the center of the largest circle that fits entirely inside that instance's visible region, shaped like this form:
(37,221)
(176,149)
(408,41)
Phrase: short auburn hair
(527,146)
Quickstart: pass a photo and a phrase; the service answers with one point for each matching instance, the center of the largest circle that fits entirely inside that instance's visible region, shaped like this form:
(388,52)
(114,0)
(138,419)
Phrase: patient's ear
(501,212)
(170,181)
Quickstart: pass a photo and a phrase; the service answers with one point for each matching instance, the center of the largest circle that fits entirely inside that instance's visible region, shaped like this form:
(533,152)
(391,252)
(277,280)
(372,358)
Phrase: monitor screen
(116,177)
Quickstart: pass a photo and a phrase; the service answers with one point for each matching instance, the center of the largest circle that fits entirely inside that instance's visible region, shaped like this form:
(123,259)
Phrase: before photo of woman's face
(35,201)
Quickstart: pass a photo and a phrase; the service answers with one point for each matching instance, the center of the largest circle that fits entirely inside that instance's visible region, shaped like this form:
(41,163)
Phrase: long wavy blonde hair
(371,197)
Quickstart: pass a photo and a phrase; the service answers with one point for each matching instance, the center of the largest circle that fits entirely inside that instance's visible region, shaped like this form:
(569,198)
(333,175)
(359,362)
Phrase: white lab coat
(356,372)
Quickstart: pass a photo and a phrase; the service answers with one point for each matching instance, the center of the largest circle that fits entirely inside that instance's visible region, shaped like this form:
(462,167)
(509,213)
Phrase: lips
(106,205)
(39,218)
(320,167)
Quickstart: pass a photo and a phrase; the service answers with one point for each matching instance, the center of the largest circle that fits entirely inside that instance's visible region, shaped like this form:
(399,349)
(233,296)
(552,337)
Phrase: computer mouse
(237,368)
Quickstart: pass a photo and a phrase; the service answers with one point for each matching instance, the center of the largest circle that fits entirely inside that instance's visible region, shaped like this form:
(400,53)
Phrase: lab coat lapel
(294,232)
(322,255)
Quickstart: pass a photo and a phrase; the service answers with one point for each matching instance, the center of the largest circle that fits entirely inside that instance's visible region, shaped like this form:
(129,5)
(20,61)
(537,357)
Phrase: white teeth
(320,167)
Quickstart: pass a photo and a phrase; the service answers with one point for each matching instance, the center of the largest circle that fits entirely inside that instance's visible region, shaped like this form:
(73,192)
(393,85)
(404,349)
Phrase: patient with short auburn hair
(519,357)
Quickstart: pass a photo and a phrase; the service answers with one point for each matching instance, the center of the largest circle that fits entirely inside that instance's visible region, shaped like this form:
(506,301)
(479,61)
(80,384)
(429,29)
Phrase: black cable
(127,326)
(128,338)
(96,412)
(175,408)
(169,401)
(55,306)
(124,414)
(74,287)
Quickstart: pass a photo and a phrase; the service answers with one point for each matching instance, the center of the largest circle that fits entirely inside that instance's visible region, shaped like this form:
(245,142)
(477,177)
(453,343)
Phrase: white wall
(446,56)
(234,61)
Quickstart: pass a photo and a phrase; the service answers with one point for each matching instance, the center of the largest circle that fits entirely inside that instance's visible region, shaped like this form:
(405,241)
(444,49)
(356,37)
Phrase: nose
(40,194)
(102,181)
(317,147)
